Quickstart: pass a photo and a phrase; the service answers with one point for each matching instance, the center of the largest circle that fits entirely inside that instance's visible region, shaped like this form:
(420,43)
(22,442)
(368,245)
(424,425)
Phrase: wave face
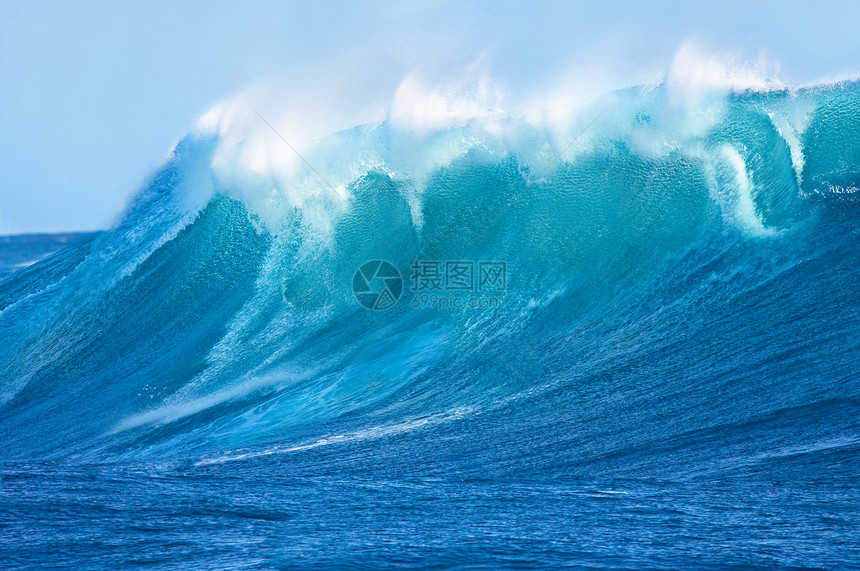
(680,303)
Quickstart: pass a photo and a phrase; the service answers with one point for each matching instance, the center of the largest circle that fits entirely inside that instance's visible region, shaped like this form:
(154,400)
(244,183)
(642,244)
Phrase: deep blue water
(670,380)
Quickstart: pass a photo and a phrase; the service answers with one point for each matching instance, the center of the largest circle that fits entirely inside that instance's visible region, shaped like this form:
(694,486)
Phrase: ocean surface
(647,356)
(22,250)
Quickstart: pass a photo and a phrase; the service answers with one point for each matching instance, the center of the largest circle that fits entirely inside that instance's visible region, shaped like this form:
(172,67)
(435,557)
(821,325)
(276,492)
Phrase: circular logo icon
(377,285)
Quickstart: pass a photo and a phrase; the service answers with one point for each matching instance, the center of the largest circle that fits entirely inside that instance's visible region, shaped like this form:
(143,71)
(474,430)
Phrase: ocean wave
(218,313)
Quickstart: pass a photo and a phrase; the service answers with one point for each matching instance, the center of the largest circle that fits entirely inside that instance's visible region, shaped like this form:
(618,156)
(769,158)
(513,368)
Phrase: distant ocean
(465,348)
(22,250)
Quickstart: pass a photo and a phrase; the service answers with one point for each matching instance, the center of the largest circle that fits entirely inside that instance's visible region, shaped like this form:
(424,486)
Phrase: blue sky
(93,94)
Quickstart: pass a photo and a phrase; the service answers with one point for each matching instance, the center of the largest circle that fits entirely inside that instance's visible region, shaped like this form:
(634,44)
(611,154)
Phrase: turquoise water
(670,379)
